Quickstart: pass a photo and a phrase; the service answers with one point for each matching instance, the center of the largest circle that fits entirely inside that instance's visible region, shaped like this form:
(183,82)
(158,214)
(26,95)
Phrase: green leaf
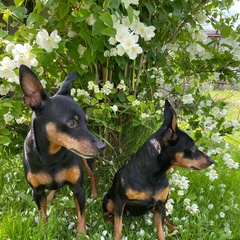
(130,13)
(82,15)
(63,11)
(107,19)
(178,89)
(131,98)
(31,18)
(5,140)
(89,55)
(226,31)
(18,3)
(3,33)
(6,16)
(20,12)
(111,32)
(98,26)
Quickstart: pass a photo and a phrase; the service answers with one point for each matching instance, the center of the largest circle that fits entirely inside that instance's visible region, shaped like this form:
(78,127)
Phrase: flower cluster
(48,42)
(127,36)
(179,181)
(192,208)
(21,54)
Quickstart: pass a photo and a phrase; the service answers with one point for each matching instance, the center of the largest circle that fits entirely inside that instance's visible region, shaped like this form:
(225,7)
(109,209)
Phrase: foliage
(129,56)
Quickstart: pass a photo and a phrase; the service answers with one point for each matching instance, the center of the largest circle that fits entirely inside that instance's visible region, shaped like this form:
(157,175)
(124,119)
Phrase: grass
(218,203)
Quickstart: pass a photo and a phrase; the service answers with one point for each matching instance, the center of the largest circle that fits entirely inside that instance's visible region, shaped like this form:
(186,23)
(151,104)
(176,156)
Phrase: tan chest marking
(70,175)
(137,195)
(161,195)
(37,179)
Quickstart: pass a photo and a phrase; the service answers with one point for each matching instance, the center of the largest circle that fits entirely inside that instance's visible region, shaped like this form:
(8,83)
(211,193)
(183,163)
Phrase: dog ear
(66,87)
(170,116)
(34,93)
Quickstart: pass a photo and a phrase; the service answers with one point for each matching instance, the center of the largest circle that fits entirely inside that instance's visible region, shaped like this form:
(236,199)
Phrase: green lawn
(218,202)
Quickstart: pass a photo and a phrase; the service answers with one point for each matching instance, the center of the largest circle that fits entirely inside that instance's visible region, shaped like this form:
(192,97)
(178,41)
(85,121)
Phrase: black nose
(211,160)
(100,145)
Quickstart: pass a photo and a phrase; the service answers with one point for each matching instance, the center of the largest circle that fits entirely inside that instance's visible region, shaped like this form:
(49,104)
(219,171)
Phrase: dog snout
(211,160)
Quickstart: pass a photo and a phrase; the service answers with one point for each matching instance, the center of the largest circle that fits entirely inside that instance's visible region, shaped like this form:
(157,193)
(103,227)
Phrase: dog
(57,143)
(142,184)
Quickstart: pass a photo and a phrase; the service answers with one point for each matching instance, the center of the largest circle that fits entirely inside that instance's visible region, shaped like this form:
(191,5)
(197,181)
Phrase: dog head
(178,146)
(59,117)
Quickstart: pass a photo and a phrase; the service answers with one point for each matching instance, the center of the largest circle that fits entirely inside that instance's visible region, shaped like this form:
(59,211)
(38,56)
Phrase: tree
(129,55)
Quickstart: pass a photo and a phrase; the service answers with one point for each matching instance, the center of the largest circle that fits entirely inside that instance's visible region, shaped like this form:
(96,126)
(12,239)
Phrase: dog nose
(211,161)
(100,145)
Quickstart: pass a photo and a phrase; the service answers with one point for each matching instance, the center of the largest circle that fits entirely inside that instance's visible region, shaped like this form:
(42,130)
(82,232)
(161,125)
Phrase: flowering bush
(130,56)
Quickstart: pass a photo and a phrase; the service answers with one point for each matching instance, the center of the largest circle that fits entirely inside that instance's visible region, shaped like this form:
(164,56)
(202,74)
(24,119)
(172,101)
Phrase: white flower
(216,137)
(96,89)
(6,68)
(91,20)
(216,111)
(210,206)
(186,201)
(192,209)
(222,215)
(122,85)
(188,99)
(149,33)
(144,115)
(135,103)
(129,41)
(112,40)
(180,192)
(114,108)
(71,34)
(128,2)
(134,51)
(201,17)
(107,88)
(169,206)
(81,49)
(90,85)
(22,55)
(229,161)
(122,32)
(212,174)
(8,118)
(48,42)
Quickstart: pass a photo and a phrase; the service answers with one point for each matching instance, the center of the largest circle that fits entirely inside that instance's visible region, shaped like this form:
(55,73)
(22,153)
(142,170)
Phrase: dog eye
(72,123)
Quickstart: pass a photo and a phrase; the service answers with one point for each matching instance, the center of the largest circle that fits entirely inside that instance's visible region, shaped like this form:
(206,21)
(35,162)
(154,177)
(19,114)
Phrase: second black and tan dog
(142,184)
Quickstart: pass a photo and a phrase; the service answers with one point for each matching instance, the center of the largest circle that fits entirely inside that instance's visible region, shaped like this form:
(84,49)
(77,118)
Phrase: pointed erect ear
(34,94)
(170,117)
(66,87)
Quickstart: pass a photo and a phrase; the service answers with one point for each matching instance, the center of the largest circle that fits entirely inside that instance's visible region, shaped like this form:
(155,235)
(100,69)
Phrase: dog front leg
(89,166)
(41,200)
(159,216)
(79,200)
(118,225)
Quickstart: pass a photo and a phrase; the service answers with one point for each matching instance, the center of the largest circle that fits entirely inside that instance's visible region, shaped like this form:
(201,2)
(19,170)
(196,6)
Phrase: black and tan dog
(57,140)
(142,183)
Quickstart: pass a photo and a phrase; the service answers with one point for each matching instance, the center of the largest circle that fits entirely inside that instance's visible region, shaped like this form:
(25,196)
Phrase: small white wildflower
(212,174)
(135,103)
(144,115)
(216,137)
(187,99)
(114,108)
(222,215)
(210,206)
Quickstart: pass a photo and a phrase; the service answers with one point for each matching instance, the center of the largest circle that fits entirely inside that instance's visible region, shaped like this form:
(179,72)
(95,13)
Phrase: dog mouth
(81,154)
(194,168)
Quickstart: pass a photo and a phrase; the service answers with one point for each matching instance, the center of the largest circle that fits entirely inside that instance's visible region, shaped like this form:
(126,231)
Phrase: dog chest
(70,175)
